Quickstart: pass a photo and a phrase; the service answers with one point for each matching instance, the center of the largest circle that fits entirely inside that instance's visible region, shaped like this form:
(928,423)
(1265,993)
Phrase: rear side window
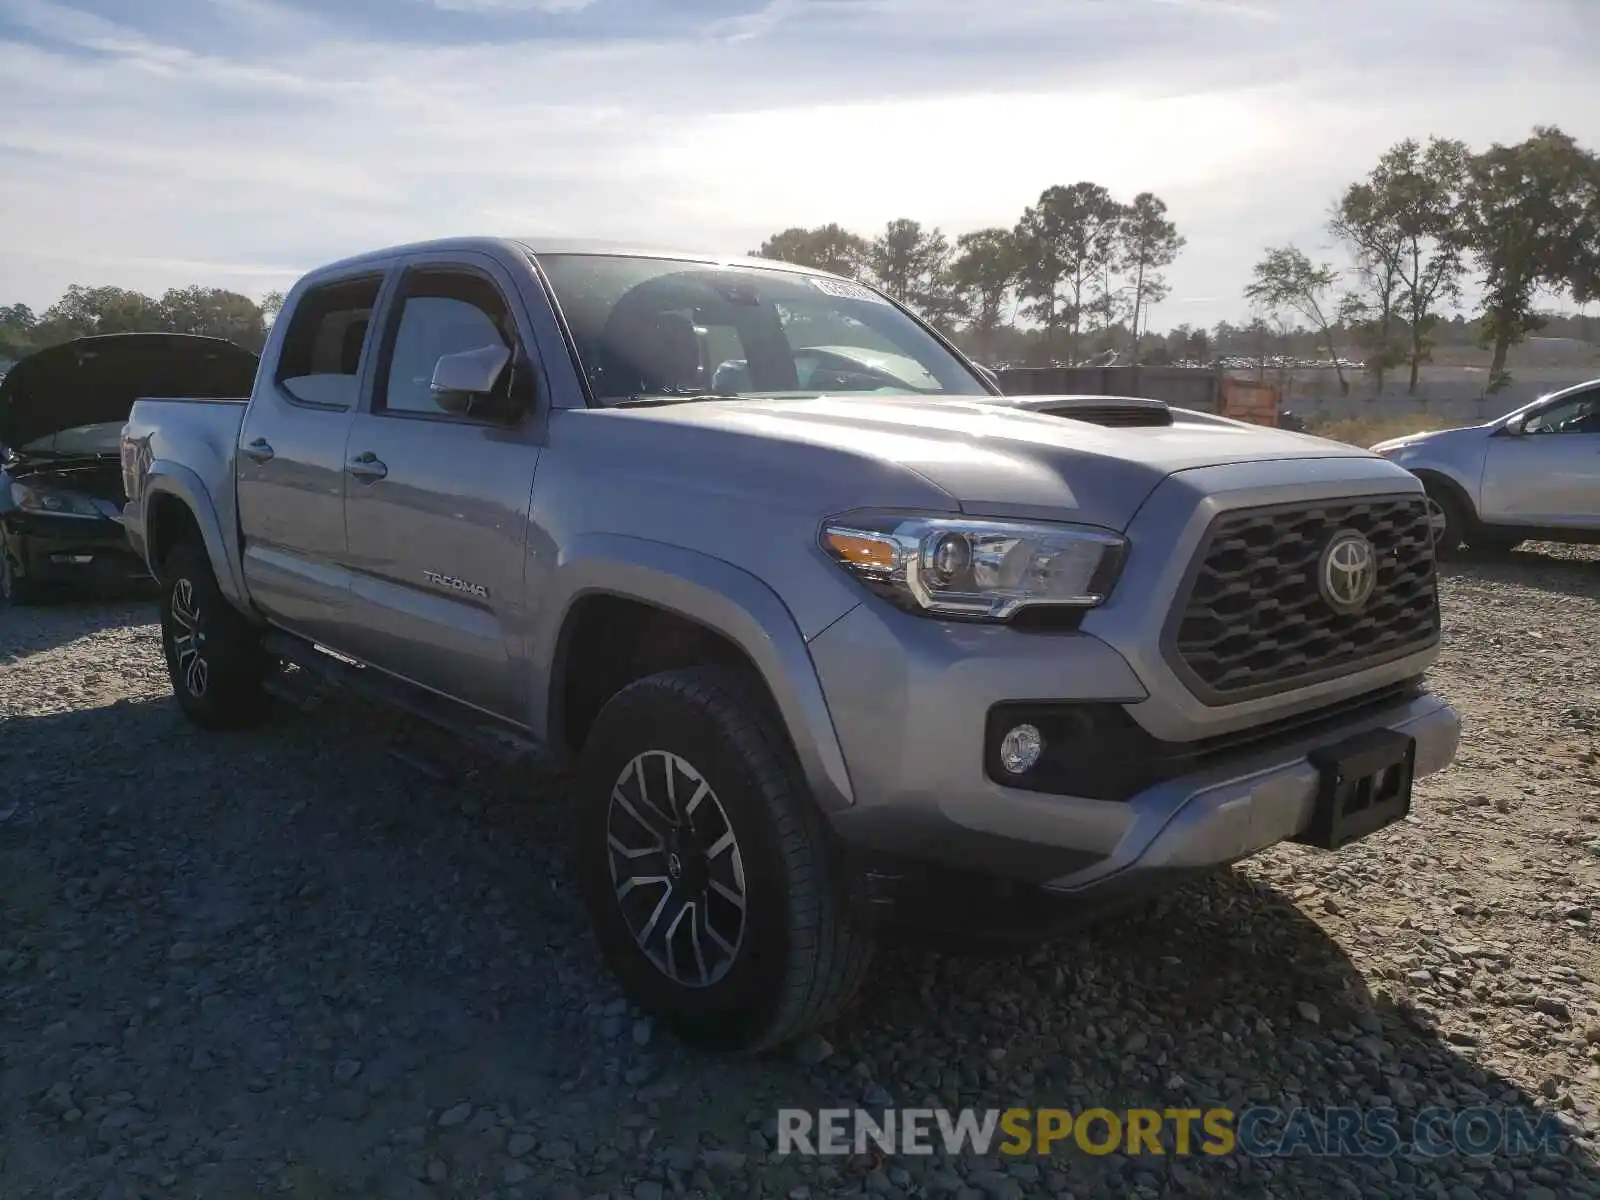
(321,359)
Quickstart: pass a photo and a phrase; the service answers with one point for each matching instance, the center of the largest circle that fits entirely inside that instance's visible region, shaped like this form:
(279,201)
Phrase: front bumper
(1232,812)
(69,550)
(909,698)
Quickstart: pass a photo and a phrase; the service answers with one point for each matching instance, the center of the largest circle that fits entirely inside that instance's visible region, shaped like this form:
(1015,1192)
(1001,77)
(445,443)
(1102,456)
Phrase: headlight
(55,504)
(987,570)
(1391,449)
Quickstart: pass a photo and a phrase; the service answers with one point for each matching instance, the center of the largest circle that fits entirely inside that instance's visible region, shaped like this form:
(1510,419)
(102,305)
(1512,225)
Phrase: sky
(238,143)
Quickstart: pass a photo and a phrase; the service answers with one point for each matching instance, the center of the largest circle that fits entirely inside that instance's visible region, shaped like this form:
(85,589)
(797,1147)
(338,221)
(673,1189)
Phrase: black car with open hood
(61,416)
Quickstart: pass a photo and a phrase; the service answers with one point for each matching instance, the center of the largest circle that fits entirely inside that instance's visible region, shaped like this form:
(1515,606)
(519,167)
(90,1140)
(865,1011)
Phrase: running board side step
(478,731)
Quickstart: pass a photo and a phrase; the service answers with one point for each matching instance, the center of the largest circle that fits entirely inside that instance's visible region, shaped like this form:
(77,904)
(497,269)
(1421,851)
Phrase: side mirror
(989,375)
(1516,427)
(465,382)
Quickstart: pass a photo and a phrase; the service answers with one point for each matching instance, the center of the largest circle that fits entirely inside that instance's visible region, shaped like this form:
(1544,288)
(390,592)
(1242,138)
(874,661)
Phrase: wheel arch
(176,504)
(1436,482)
(735,616)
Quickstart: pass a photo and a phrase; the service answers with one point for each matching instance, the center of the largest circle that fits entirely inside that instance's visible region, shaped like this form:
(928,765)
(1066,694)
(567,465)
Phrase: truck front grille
(1253,618)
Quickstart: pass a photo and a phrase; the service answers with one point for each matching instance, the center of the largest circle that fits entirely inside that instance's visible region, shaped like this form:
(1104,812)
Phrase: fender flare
(1434,479)
(173,479)
(726,599)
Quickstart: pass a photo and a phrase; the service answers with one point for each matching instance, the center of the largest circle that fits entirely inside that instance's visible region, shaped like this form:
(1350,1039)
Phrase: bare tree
(1150,242)
(1411,207)
(1286,279)
(1371,308)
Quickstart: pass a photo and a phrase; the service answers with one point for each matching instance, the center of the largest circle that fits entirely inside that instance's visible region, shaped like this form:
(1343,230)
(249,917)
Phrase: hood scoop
(1116,412)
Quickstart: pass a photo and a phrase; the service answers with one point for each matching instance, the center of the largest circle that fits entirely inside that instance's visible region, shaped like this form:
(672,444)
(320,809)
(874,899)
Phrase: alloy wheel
(677,869)
(189,638)
(1438,520)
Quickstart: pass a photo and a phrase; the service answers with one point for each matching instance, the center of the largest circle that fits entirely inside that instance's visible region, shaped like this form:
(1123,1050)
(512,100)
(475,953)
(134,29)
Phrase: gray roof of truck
(543,246)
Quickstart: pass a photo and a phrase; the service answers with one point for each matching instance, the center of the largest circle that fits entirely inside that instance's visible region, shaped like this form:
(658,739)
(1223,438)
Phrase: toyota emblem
(1348,572)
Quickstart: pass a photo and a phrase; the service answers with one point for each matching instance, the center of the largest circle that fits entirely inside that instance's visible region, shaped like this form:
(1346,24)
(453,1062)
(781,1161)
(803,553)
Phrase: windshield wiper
(650,401)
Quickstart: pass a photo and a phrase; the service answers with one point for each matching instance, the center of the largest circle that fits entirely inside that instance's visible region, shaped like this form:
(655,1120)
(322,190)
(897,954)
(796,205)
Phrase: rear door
(1549,475)
(291,476)
(436,509)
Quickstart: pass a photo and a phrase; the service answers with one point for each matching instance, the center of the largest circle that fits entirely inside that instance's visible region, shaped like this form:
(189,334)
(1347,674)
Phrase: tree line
(1077,263)
(82,311)
(1522,222)
(1079,271)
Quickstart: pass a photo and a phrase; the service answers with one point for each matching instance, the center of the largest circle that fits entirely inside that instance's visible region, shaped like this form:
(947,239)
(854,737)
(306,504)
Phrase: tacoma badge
(457,585)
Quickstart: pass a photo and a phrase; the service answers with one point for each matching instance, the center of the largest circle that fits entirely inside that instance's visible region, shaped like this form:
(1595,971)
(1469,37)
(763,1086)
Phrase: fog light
(1020,748)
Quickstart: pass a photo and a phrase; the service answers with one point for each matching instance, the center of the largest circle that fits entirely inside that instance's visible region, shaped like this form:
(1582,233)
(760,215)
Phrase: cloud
(510,6)
(760,22)
(238,142)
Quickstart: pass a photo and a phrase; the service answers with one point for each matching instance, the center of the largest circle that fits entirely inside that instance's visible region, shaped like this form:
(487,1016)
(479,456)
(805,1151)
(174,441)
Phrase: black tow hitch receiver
(1365,785)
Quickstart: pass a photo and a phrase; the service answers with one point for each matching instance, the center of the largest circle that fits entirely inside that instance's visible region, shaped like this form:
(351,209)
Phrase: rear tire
(709,874)
(213,653)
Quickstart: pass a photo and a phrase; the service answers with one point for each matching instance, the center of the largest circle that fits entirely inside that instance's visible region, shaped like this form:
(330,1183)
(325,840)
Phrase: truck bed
(192,439)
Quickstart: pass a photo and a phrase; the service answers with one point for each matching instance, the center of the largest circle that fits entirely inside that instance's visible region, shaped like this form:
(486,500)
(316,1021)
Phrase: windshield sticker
(844,290)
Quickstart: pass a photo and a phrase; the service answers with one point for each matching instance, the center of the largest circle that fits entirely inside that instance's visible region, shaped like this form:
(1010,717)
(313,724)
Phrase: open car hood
(95,380)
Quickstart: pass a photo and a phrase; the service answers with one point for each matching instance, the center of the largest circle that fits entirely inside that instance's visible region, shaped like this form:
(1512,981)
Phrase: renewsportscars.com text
(1257,1132)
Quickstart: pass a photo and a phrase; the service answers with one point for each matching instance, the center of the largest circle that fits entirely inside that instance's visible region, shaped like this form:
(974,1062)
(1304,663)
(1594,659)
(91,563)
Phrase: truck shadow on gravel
(291,954)
(1222,993)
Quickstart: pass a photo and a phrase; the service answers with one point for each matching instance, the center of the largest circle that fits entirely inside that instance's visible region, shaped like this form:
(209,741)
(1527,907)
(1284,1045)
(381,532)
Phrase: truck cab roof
(548,246)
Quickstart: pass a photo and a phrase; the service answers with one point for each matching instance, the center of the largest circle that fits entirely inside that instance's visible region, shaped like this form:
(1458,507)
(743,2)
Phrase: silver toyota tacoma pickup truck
(836,637)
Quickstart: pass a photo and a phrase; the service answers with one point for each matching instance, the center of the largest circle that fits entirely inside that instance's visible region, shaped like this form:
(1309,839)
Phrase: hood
(95,380)
(996,458)
(1437,437)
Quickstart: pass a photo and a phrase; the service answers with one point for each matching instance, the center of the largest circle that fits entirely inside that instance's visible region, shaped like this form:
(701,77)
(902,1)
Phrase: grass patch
(1367,431)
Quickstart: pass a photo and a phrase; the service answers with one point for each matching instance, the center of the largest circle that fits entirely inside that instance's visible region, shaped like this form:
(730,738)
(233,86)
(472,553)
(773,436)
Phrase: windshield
(655,328)
(104,438)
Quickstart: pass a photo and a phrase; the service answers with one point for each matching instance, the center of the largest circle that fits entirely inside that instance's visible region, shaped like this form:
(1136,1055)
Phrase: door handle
(259,450)
(367,467)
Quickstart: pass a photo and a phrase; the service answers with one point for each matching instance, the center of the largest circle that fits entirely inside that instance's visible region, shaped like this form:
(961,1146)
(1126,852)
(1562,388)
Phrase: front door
(436,510)
(291,476)
(1549,475)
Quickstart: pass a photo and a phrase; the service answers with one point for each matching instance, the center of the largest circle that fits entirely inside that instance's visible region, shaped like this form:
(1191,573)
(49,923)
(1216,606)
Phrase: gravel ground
(309,961)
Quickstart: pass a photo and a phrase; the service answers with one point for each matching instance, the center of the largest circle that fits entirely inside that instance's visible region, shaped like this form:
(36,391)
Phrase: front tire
(213,653)
(14,592)
(709,874)
(1456,526)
